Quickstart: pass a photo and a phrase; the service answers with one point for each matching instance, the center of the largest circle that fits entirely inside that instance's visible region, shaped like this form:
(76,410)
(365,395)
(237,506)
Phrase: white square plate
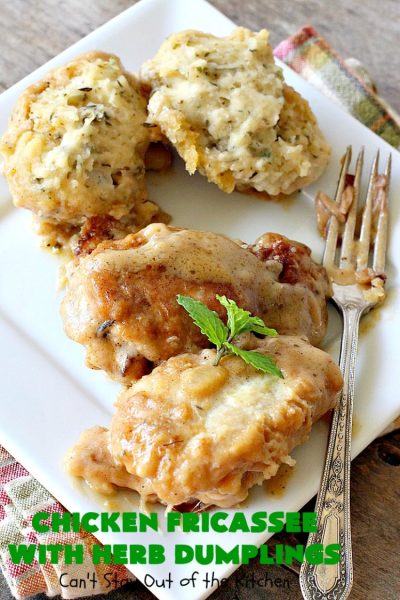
(48,395)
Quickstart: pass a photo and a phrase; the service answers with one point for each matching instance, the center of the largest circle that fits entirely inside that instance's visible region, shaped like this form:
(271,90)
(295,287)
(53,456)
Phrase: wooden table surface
(32,31)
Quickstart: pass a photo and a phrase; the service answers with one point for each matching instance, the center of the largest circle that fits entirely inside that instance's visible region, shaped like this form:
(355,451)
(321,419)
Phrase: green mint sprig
(222,336)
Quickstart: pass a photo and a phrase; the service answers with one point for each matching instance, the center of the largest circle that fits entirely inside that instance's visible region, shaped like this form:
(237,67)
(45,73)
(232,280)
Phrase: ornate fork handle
(326,581)
(333,582)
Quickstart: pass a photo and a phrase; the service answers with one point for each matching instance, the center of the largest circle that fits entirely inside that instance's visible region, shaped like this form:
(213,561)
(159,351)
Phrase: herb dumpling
(223,104)
(76,143)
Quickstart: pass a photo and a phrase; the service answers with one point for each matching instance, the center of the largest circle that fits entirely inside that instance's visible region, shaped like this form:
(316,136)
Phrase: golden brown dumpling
(223,104)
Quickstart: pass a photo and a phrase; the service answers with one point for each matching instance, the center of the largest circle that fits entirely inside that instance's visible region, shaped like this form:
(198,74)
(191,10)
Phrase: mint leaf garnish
(256,359)
(207,320)
(240,320)
(222,336)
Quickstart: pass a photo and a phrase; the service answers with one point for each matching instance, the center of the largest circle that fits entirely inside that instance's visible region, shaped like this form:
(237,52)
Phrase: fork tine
(348,233)
(365,234)
(379,257)
(333,229)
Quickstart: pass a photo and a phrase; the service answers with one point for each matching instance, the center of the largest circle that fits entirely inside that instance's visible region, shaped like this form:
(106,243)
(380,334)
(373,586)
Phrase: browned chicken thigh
(192,431)
(121,299)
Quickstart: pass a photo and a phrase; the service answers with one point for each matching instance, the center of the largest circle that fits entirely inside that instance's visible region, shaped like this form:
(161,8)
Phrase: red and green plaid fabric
(310,55)
(21,496)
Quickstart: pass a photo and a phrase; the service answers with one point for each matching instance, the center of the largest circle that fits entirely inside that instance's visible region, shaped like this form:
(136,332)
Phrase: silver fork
(334,582)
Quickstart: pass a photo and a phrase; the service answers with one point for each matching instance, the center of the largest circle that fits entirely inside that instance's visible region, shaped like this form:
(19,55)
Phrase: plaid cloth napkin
(21,496)
(346,82)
